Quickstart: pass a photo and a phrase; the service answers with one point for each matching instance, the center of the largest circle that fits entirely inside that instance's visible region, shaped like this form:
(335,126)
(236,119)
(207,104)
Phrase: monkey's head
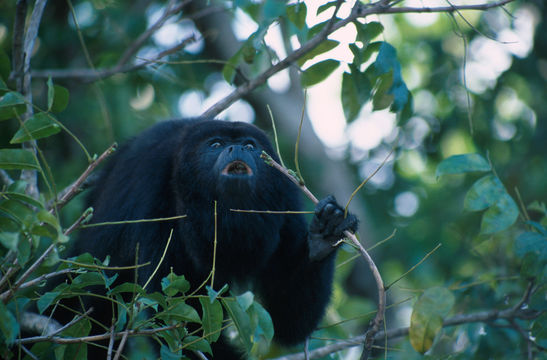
(221,160)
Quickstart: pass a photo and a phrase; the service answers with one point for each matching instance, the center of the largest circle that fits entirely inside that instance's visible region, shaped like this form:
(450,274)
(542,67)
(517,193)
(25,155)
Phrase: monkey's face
(221,161)
(237,163)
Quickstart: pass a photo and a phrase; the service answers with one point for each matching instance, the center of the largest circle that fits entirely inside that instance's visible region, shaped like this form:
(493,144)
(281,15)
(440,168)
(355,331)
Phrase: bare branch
(76,187)
(170,10)
(92,338)
(447,9)
(39,279)
(91,75)
(18,40)
(26,274)
(22,55)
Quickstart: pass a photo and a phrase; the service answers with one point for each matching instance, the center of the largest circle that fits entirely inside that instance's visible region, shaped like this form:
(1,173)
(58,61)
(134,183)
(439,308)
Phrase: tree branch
(76,187)
(360,10)
(92,338)
(170,10)
(21,67)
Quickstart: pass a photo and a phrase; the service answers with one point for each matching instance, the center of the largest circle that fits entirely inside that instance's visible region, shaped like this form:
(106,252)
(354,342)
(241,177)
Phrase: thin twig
(76,187)
(170,10)
(122,344)
(18,41)
(100,74)
(92,338)
(110,343)
(27,351)
(79,222)
(39,279)
(413,267)
(27,273)
(23,85)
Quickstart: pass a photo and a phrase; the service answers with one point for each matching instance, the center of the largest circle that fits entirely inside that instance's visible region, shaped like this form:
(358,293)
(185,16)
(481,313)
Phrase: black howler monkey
(182,167)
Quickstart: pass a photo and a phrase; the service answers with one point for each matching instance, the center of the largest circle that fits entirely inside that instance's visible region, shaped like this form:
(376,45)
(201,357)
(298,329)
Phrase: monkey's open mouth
(237,167)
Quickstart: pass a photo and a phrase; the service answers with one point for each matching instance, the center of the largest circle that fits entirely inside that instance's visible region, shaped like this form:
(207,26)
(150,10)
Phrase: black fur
(181,167)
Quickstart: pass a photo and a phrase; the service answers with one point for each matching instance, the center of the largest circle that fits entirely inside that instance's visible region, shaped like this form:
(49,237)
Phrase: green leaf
(263,334)
(181,312)
(488,192)
(458,164)
(173,284)
(23,198)
(12,104)
(531,242)
(318,72)
(392,90)
(297,14)
(127,288)
(57,97)
(367,52)
(356,90)
(484,193)
(323,47)
(46,300)
(213,294)
(196,343)
(167,354)
(23,251)
(8,324)
(24,215)
(60,101)
(326,6)
(49,218)
(400,94)
(273,9)
(539,330)
(500,216)
(211,319)
(423,330)
(241,320)
(381,98)
(386,61)
(229,69)
(369,31)
(77,351)
(87,279)
(9,240)
(427,317)
(38,126)
(537,299)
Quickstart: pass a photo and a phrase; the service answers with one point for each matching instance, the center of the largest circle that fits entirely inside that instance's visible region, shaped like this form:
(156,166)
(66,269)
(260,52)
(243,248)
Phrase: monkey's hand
(327,227)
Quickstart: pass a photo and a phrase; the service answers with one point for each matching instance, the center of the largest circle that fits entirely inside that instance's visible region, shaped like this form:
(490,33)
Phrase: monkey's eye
(215,144)
(249,146)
